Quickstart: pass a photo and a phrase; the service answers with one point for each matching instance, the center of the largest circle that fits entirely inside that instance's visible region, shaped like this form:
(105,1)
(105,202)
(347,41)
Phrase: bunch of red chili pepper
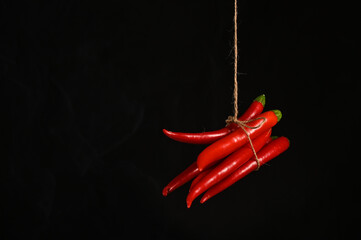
(230,156)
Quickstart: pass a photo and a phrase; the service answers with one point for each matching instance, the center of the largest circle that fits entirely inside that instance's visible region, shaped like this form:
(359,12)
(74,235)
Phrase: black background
(88,86)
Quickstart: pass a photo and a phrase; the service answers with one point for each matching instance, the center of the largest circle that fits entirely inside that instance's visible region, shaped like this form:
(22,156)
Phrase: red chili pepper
(188,174)
(267,153)
(237,139)
(227,166)
(209,137)
(199,177)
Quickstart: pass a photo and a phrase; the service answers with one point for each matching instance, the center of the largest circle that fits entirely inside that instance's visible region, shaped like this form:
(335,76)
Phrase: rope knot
(243,125)
(231,120)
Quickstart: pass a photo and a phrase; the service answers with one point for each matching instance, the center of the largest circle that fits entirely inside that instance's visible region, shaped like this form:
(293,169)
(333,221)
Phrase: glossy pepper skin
(199,177)
(236,139)
(267,153)
(227,166)
(253,110)
(188,174)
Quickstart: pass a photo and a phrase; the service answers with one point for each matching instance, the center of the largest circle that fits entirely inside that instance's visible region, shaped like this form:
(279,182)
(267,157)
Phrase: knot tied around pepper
(243,125)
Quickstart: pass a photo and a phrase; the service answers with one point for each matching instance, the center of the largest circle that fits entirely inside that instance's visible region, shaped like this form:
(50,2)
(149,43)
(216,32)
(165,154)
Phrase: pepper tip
(199,164)
(204,198)
(261,99)
(274,137)
(189,201)
(278,114)
(165,191)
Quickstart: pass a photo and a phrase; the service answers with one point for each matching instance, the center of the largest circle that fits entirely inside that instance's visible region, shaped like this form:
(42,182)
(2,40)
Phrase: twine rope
(234,119)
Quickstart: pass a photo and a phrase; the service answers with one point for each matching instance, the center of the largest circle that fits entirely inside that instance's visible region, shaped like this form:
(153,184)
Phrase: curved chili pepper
(237,139)
(209,137)
(227,166)
(199,177)
(188,174)
(267,153)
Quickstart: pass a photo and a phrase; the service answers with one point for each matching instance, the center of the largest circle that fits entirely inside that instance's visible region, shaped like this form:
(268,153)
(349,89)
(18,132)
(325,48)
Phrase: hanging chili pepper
(188,174)
(199,177)
(227,166)
(267,153)
(209,137)
(237,139)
